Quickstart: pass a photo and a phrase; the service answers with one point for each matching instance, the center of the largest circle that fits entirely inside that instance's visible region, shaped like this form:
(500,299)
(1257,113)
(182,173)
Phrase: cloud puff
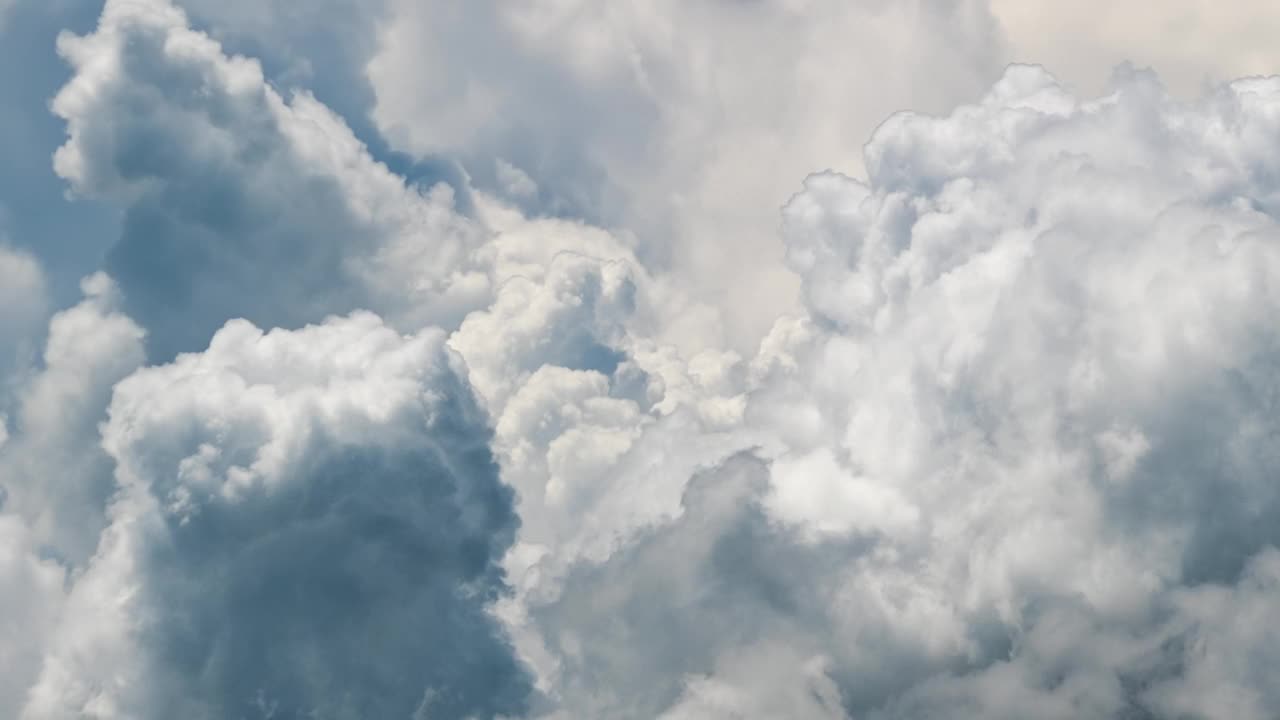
(239,203)
(574,318)
(55,480)
(308,523)
(52,469)
(29,609)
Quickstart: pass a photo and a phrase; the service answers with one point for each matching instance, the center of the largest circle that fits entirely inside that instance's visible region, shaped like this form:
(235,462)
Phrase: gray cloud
(309,525)
(1012,447)
(724,612)
(239,203)
(55,480)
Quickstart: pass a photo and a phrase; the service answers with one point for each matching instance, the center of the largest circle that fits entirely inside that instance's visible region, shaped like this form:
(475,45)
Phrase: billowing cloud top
(307,523)
(553,360)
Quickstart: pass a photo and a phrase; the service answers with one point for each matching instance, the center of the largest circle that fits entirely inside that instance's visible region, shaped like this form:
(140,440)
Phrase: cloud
(308,522)
(646,630)
(1042,359)
(239,203)
(55,480)
(29,607)
(687,123)
(1230,642)
(534,328)
(578,363)
(691,123)
(1008,453)
(725,612)
(54,474)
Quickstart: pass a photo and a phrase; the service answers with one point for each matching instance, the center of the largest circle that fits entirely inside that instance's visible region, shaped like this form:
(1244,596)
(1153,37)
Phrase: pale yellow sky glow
(1188,42)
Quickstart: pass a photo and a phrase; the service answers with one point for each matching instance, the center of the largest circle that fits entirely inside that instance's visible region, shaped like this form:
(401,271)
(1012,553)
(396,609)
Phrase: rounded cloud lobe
(239,203)
(309,523)
(1010,454)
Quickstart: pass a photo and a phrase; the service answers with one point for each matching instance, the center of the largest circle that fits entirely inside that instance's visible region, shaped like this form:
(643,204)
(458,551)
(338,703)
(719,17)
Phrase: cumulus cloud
(1035,352)
(240,203)
(55,480)
(1014,459)
(308,524)
(484,448)
(689,123)
(52,470)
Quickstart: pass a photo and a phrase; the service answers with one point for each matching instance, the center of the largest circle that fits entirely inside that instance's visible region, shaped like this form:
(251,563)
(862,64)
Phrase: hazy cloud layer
(1193,43)
(688,123)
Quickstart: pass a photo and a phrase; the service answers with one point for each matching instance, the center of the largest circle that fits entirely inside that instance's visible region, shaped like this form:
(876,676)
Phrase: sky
(678,359)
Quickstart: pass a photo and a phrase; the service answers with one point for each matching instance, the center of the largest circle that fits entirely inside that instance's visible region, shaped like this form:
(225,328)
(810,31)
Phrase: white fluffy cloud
(1016,457)
(689,123)
(53,472)
(29,607)
(54,478)
(1007,454)
(1036,352)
